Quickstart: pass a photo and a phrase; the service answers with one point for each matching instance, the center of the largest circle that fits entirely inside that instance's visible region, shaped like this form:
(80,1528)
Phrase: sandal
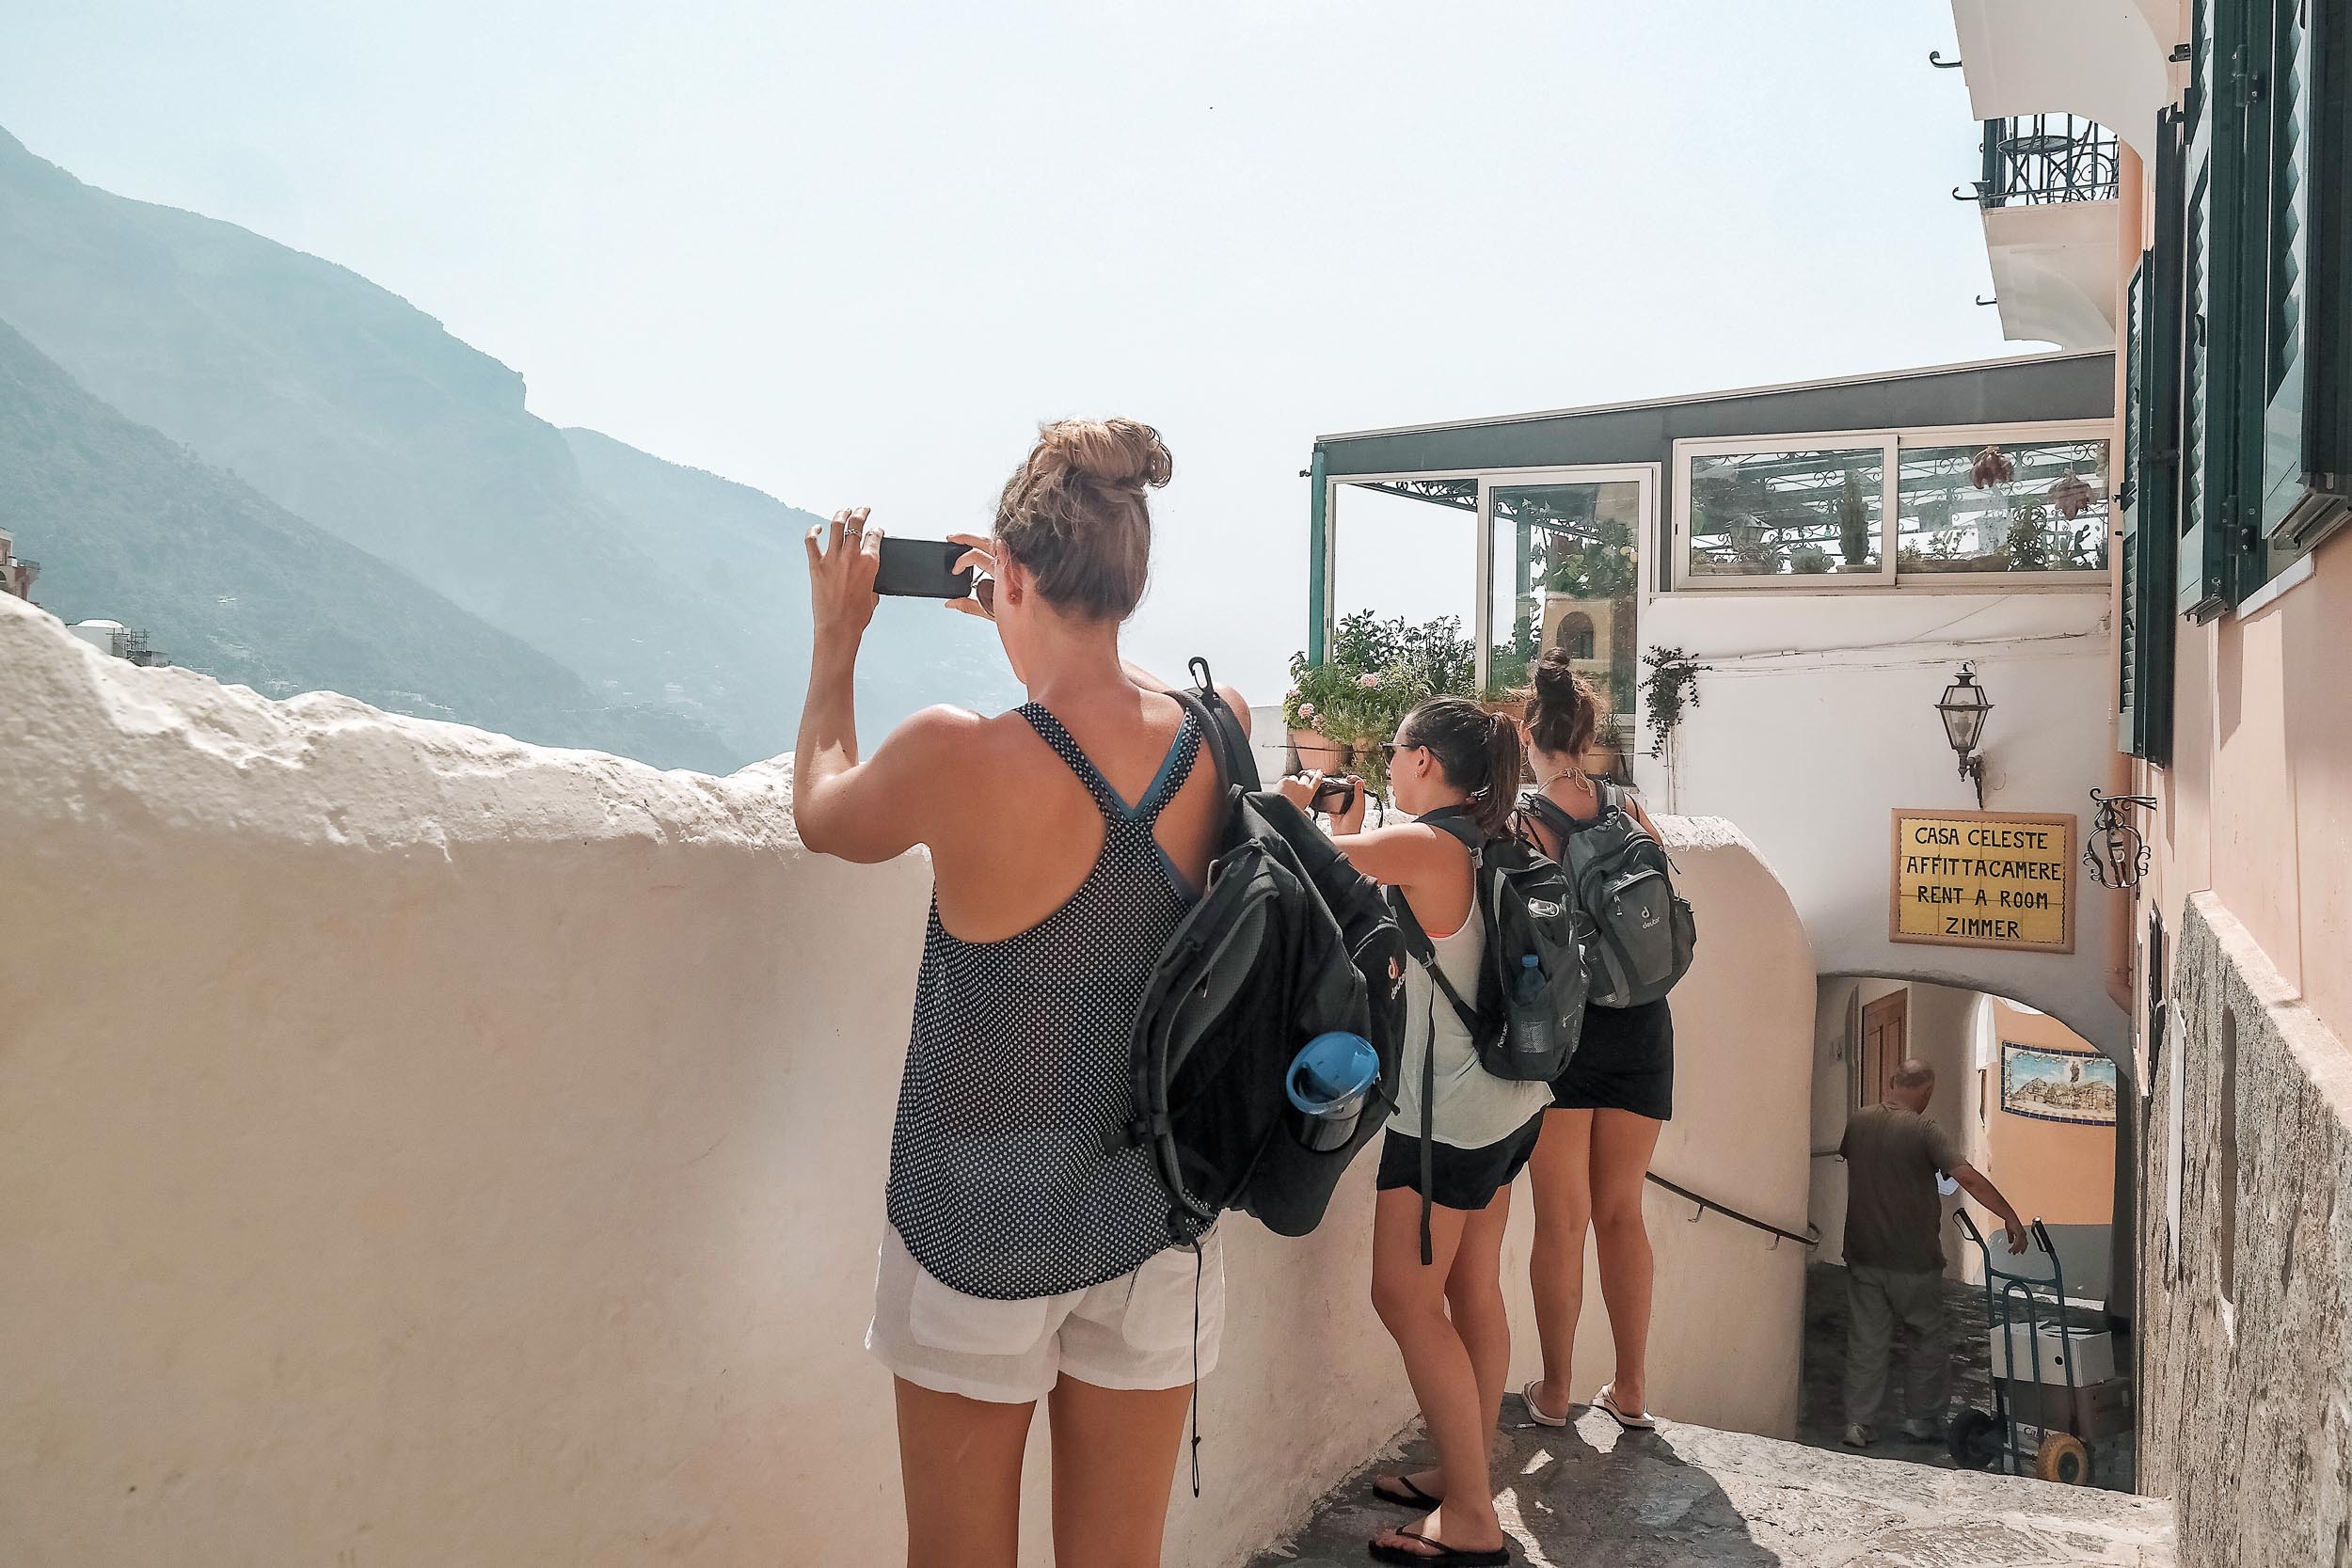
(1632,1421)
(1537,1412)
(1452,1557)
(1406,1494)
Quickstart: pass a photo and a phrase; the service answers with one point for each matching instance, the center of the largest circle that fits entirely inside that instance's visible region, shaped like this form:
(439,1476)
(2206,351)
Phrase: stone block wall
(2246,1303)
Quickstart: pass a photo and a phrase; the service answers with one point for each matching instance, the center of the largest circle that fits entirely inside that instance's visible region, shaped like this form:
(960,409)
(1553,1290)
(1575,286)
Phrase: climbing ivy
(1672,683)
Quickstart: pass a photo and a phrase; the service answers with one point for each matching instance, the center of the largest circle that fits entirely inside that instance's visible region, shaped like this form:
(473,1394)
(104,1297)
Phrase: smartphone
(1332,795)
(921,569)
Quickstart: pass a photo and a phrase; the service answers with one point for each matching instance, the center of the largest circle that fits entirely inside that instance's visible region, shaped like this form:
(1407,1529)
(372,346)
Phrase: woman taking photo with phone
(1608,1109)
(1446,1314)
(1021,1262)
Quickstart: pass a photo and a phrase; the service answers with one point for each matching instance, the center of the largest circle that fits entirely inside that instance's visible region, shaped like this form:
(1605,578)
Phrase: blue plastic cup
(1328,1083)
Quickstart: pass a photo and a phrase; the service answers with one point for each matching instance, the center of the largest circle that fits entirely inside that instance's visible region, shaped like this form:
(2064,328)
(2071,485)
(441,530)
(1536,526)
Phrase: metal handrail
(1812,1238)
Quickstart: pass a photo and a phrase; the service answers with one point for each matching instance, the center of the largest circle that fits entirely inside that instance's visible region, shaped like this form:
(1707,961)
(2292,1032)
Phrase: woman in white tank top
(1446,1315)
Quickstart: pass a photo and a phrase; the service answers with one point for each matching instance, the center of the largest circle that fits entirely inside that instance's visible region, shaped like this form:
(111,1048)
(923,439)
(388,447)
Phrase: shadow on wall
(428,1146)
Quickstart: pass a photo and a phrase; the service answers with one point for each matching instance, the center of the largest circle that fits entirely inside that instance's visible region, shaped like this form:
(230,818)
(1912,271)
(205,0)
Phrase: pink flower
(1307,711)
(1291,694)
(1369,682)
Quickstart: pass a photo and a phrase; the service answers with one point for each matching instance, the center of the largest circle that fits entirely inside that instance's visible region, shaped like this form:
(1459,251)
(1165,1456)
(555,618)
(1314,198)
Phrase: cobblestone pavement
(1590,1496)
(1821,1413)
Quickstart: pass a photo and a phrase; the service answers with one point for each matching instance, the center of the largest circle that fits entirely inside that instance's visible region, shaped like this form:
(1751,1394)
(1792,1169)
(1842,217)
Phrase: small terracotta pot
(1316,750)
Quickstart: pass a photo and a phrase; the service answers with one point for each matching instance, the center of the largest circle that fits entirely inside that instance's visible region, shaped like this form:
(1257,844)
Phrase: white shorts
(1132,1332)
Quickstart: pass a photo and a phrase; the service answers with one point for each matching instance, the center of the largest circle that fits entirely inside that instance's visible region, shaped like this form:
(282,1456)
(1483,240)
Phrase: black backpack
(1529,1017)
(1644,934)
(1288,941)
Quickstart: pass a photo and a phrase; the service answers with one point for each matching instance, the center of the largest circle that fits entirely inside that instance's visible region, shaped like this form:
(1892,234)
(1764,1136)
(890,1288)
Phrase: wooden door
(1885,1030)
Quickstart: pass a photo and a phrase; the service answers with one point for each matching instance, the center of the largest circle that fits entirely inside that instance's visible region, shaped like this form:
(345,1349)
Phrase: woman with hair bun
(1025,1258)
(1607,1109)
(1446,1315)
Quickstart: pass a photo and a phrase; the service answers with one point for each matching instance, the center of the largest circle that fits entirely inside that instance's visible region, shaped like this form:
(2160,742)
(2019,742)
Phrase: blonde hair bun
(1120,454)
(1074,513)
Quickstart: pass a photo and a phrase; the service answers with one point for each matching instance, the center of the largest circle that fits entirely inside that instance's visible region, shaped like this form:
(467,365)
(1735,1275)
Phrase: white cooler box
(2093,1350)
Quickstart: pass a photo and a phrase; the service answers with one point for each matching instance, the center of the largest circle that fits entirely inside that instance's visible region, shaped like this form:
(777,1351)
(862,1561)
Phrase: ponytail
(1563,713)
(1478,751)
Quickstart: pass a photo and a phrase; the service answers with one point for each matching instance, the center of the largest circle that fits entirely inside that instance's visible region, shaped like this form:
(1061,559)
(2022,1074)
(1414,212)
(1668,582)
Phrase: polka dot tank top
(1018,1069)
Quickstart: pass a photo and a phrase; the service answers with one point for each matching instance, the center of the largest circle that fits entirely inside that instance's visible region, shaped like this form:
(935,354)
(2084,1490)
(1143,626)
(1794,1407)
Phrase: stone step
(1589,1496)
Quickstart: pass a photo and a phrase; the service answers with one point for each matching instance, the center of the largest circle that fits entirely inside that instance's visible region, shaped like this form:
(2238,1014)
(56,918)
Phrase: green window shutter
(2286,298)
(2159,478)
(2201,565)
(2213,244)
(2128,595)
(2306,448)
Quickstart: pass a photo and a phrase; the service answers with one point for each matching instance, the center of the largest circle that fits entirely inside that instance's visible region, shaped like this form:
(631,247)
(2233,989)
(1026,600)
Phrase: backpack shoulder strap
(1453,822)
(1550,813)
(1212,734)
(1417,942)
(1237,767)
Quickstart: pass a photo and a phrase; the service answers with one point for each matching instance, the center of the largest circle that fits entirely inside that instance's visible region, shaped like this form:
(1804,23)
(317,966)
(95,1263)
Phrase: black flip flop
(1449,1557)
(1411,1497)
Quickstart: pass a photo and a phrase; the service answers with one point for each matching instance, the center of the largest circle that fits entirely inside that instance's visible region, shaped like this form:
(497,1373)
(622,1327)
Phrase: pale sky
(852,254)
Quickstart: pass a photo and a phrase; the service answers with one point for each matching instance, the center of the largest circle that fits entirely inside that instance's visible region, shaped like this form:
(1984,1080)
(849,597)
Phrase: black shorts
(1464,1179)
(1625,1061)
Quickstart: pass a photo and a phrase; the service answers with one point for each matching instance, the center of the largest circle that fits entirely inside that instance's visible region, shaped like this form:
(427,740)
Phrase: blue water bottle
(1328,1083)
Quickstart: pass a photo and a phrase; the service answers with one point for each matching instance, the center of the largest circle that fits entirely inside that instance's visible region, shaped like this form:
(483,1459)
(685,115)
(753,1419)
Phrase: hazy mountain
(357,412)
(127,525)
(742,547)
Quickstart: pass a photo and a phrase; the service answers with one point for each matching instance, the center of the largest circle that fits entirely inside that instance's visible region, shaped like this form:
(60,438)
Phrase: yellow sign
(1984,879)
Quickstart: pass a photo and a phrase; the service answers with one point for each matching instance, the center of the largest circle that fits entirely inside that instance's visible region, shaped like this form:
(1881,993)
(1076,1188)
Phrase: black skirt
(1624,1062)
(1464,1179)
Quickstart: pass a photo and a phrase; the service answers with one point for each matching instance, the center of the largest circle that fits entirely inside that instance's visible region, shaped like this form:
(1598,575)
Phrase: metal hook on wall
(1981,300)
(1935,58)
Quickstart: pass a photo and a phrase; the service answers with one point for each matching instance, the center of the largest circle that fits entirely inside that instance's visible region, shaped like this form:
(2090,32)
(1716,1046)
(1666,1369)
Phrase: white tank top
(1472,1107)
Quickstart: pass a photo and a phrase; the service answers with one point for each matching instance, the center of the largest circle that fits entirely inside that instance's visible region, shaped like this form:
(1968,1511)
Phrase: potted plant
(1853,524)
(1339,711)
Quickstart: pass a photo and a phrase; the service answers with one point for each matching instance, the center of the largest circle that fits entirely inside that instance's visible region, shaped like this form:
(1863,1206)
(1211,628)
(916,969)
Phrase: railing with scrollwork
(2039,160)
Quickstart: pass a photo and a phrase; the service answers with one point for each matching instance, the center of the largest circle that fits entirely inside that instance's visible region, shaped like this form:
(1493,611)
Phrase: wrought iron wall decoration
(2117,854)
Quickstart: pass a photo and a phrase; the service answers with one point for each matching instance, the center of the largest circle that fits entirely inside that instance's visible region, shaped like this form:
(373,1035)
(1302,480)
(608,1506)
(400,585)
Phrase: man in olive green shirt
(1895,1251)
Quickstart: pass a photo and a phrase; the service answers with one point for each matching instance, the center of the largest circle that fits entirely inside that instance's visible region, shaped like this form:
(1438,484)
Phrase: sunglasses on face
(1389,748)
(984,590)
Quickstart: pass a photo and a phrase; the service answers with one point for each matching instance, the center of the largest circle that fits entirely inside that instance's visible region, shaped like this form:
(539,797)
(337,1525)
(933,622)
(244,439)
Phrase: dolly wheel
(1975,1439)
(2062,1458)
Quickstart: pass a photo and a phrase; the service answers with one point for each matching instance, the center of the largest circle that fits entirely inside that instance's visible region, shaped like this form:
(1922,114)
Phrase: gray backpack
(1643,933)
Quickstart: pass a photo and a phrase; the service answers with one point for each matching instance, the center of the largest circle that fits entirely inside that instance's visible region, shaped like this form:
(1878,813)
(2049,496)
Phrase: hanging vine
(1670,686)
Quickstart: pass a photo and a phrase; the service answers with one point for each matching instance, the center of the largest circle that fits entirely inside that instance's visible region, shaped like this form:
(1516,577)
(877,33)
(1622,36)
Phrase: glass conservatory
(1557,528)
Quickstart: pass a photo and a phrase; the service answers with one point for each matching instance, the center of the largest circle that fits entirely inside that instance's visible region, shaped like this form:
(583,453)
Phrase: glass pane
(1404,559)
(2036,506)
(1786,513)
(1407,548)
(1566,570)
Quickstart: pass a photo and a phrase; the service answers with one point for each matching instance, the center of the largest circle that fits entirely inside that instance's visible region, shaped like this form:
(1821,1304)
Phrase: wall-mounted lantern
(2117,854)
(1962,708)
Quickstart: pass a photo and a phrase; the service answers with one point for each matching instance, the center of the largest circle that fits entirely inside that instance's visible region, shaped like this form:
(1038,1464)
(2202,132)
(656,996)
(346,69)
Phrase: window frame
(1893,441)
(1648,476)
(1682,580)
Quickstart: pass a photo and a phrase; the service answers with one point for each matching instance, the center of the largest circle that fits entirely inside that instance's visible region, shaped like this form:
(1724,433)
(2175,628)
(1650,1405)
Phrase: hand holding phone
(922,569)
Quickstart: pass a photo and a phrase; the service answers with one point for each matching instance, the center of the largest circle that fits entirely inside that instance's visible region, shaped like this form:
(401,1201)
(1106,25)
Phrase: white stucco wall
(1818,718)
(416,1147)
